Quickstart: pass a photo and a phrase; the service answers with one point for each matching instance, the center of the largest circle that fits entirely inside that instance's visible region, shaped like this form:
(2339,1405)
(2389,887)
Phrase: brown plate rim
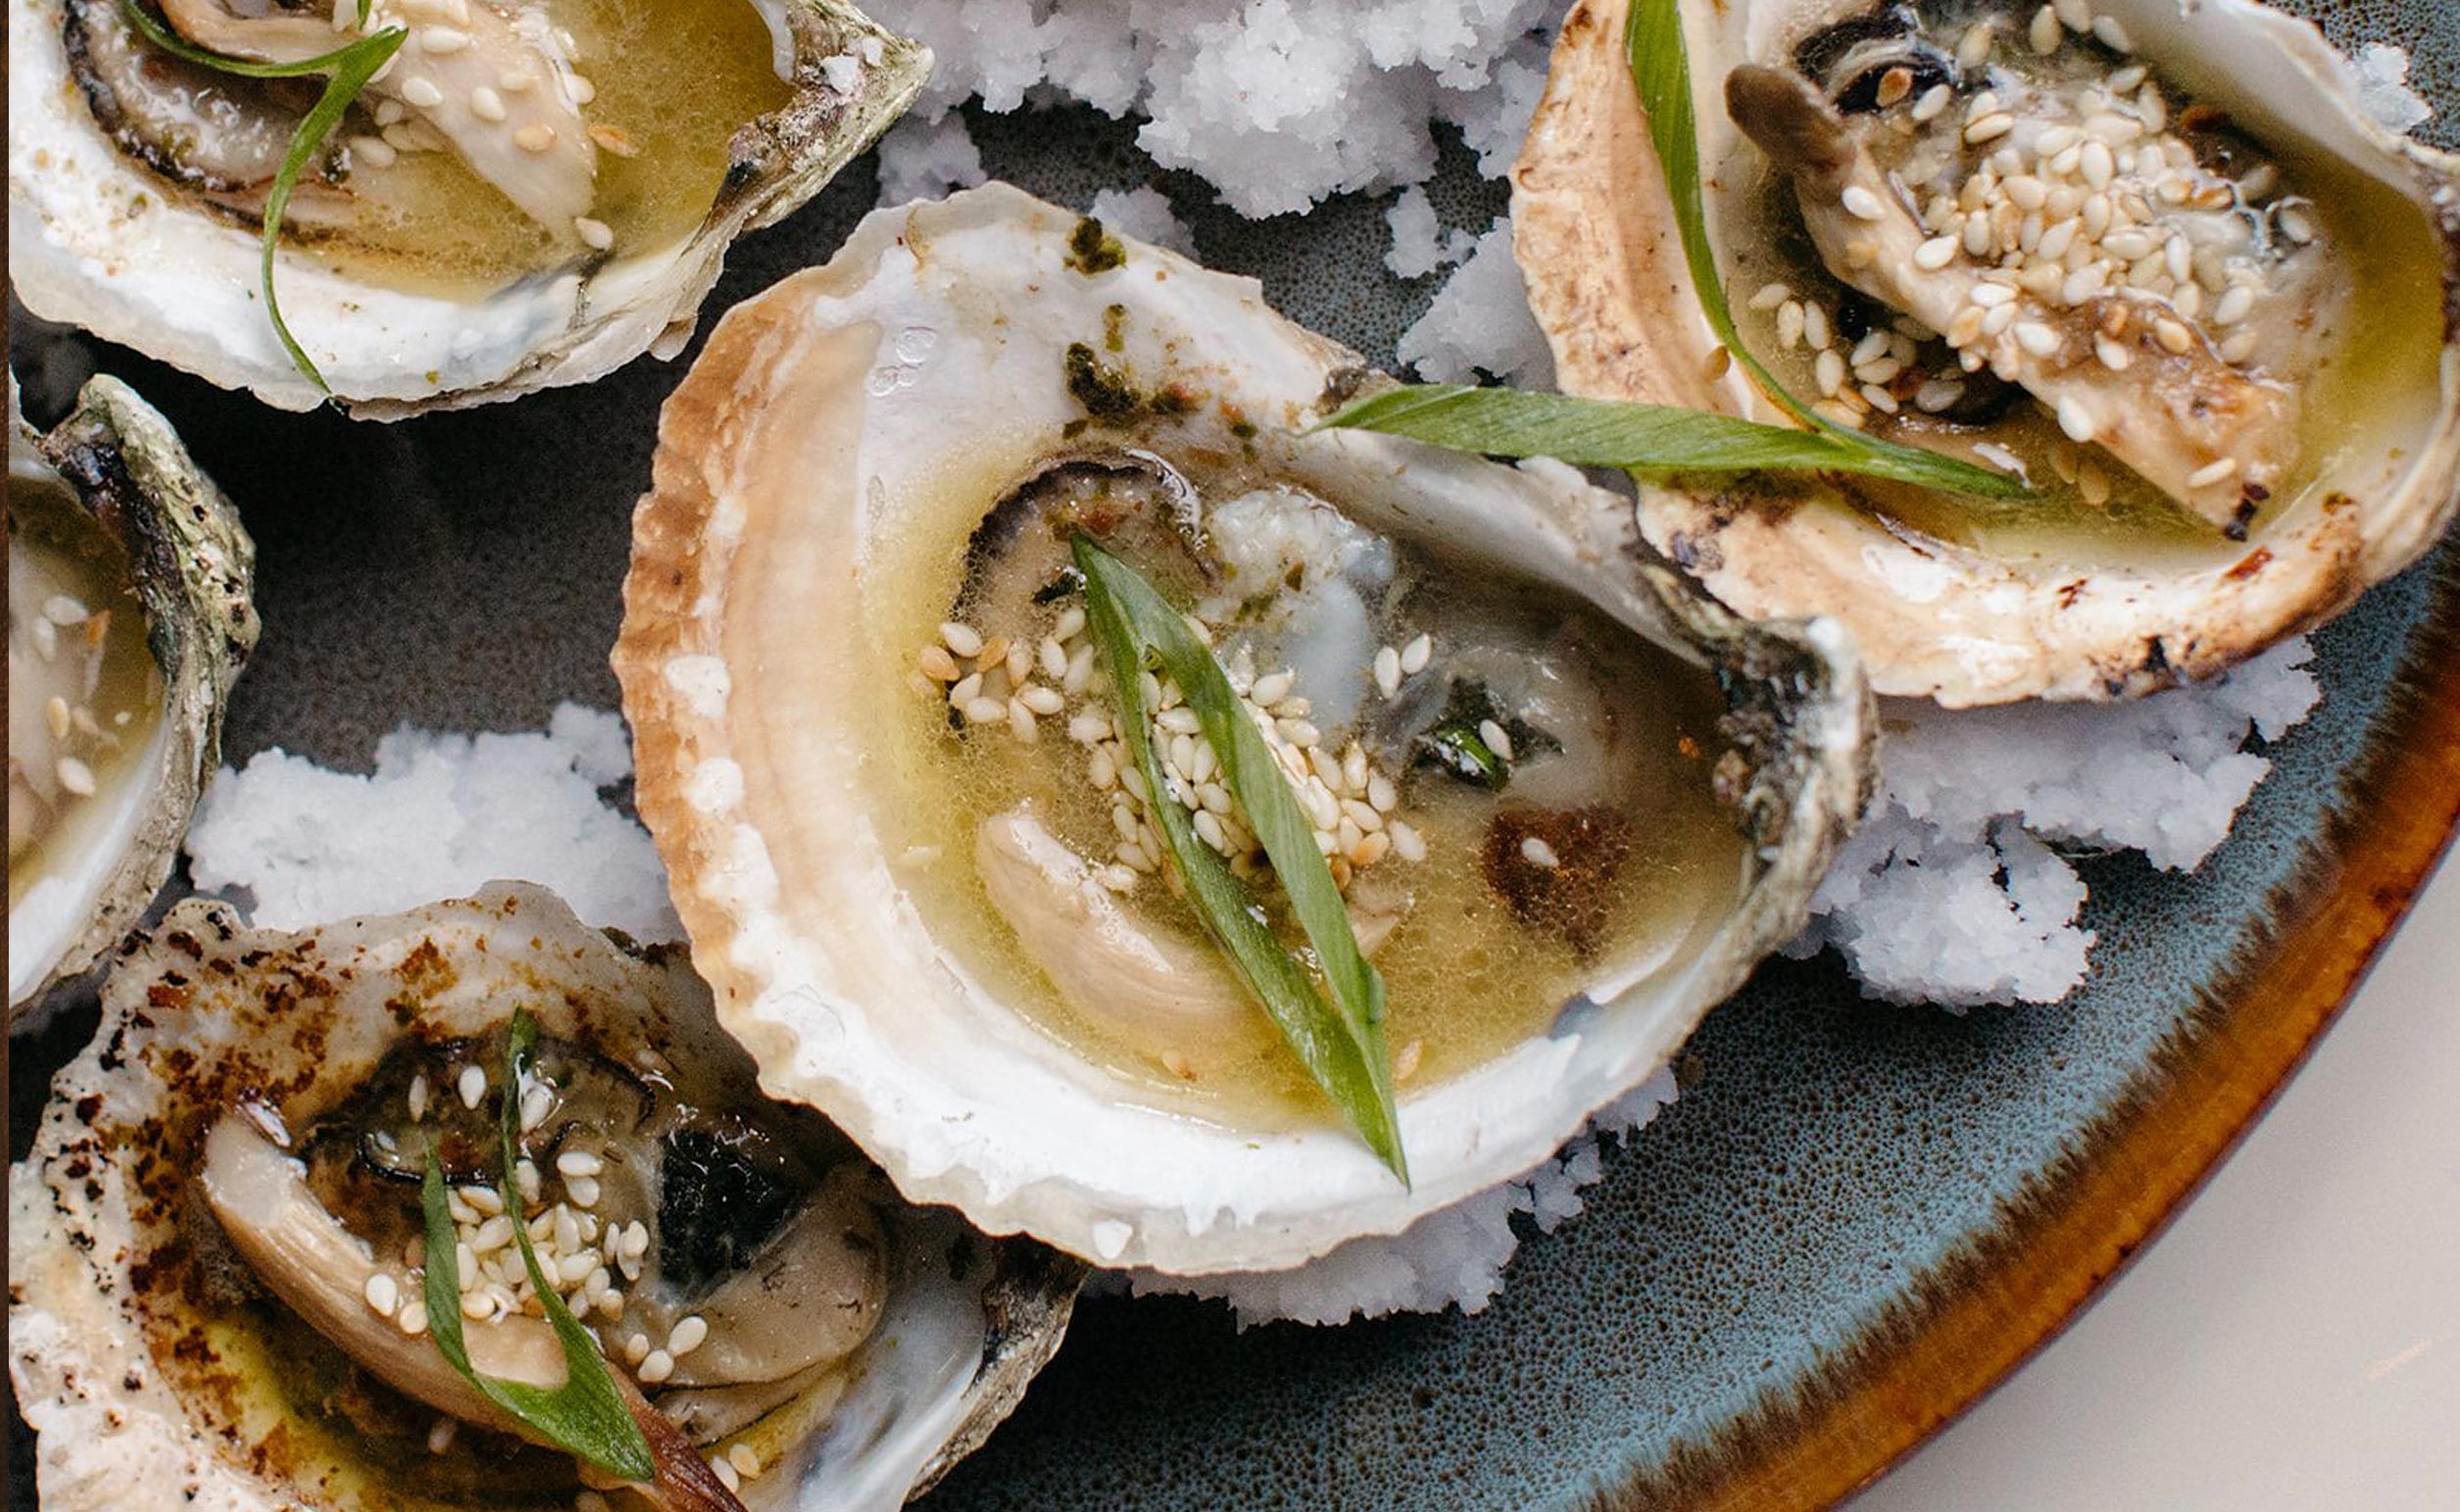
(2005,1294)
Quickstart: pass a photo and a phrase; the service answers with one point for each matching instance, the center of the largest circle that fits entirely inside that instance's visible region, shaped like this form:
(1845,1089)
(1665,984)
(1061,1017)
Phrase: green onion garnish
(587,1415)
(1654,440)
(351,68)
(1340,1043)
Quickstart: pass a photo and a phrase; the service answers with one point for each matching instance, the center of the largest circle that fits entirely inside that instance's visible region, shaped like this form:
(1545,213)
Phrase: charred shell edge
(194,568)
(1027,1300)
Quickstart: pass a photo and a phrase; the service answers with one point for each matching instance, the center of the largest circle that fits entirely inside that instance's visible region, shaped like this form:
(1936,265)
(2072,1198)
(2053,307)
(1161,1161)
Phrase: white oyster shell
(109,1262)
(1596,240)
(97,240)
(116,466)
(925,363)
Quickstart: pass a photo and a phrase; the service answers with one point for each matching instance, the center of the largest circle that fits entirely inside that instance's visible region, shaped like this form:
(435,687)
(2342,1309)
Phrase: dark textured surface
(460,571)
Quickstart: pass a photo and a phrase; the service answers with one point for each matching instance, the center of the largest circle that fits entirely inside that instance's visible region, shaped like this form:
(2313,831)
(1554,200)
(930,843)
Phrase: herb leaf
(1340,1043)
(587,1414)
(351,68)
(1651,439)
(1661,70)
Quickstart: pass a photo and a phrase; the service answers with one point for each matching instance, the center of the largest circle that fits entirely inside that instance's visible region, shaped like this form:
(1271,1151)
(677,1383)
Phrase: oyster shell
(929,410)
(188,1298)
(433,259)
(128,619)
(2227,356)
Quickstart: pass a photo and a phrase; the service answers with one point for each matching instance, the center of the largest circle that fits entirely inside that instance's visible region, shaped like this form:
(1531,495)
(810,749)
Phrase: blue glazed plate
(1854,1222)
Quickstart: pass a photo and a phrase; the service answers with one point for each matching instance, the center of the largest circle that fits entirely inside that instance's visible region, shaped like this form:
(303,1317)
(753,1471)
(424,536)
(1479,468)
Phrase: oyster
(128,619)
(2158,257)
(530,193)
(214,1255)
(1569,801)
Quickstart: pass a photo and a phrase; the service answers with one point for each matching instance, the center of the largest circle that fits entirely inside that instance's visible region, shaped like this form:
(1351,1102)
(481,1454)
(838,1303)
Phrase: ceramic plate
(1856,1219)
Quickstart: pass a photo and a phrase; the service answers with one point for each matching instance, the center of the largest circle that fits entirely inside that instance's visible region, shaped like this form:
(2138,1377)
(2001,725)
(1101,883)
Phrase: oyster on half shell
(2160,258)
(530,193)
(214,1243)
(128,619)
(1569,801)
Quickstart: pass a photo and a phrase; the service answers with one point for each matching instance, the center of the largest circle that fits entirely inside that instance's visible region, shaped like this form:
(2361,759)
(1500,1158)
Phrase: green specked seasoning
(1105,392)
(1115,329)
(1092,250)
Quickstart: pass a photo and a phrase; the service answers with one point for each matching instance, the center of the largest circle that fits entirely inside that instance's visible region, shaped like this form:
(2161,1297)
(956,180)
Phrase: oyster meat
(217,1253)
(2158,257)
(529,193)
(128,619)
(1568,801)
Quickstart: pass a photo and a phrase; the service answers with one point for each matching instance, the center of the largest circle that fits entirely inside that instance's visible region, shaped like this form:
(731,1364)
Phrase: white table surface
(2293,1341)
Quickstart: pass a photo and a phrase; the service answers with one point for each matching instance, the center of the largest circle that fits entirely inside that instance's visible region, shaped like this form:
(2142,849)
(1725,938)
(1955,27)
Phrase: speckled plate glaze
(1855,1220)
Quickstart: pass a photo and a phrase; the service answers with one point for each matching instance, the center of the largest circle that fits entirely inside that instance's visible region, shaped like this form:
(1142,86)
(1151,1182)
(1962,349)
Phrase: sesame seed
(2075,419)
(2295,225)
(2037,338)
(472,1085)
(984,710)
(2233,306)
(2213,472)
(2093,481)
(595,233)
(1934,103)
(537,137)
(516,80)
(2111,34)
(2174,338)
(589,1501)
(1990,128)
(1894,86)
(936,665)
(383,1294)
(1770,296)
(75,776)
(582,90)
(1388,670)
(1936,396)
(2238,348)
(1862,203)
(1537,853)
(1072,624)
(486,104)
(1041,699)
(1415,656)
(1996,322)
(657,1367)
(1789,324)
(1972,49)
(2074,15)
(2045,34)
(1020,721)
(442,41)
(1815,325)
(745,1458)
(1270,688)
(420,92)
(412,1318)
(1829,370)
(578,1162)
(373,150)
(440,1436)
(536,1103)
(1497,739)
(636,1349)
(2113,356)
(725,1472)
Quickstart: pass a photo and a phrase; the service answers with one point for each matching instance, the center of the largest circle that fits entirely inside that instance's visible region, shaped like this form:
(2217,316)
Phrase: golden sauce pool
(72,621)
(1465,979)
(677,78)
